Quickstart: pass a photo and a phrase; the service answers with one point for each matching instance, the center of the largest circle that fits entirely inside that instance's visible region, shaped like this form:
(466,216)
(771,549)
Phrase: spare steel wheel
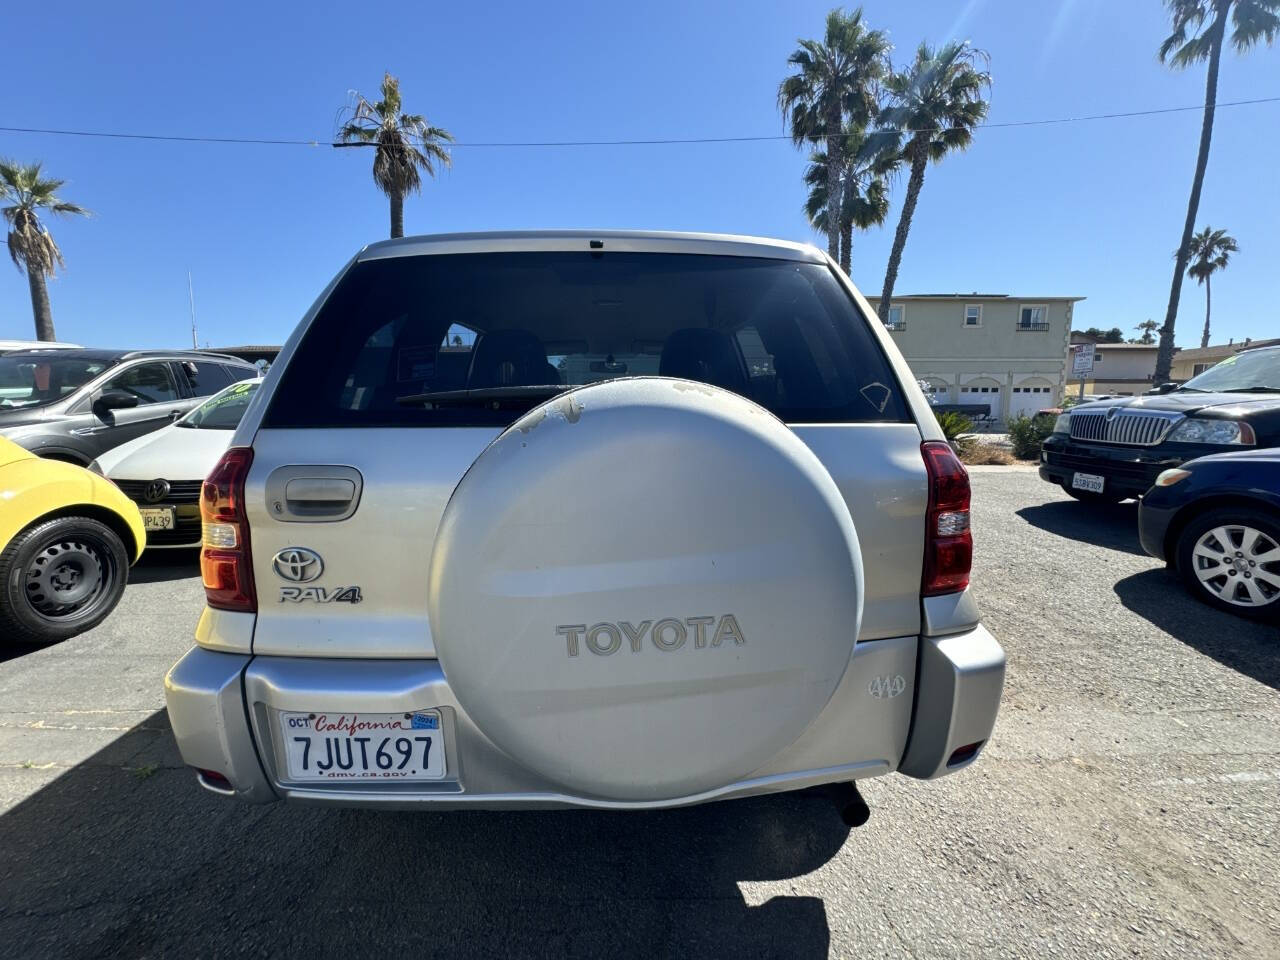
(645,588)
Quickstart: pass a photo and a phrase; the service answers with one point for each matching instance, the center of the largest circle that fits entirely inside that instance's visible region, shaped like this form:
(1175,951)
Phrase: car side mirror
(114,400)
(1166,388)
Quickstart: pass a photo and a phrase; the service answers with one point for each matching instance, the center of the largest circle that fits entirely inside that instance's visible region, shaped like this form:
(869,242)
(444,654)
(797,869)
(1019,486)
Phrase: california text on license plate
(1088,481)
(364,746)
(157,518)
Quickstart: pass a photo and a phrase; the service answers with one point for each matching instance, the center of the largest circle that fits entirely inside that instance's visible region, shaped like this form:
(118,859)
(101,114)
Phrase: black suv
(76,404)
(1113,449)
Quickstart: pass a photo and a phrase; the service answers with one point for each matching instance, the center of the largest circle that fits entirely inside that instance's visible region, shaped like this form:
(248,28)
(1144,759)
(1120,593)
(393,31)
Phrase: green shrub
(1027,433)
(956,427)
(953,424)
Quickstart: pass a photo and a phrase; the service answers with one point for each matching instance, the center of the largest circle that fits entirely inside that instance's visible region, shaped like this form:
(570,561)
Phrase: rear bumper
(223,707)
(957,699)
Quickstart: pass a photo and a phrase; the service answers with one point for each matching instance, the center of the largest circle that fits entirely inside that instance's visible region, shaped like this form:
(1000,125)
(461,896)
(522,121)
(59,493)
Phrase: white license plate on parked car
(157,518)
(391,747)
(1088,481)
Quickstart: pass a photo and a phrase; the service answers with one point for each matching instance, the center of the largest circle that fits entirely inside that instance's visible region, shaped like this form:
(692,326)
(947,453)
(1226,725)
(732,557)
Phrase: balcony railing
(1044,325)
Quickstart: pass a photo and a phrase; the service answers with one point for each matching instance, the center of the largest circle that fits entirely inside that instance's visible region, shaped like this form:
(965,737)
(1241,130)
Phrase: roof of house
(980,296)
(1103,345)
(1223,349)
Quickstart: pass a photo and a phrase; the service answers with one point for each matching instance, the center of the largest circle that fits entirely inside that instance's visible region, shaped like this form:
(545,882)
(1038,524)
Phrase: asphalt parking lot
(1127,806)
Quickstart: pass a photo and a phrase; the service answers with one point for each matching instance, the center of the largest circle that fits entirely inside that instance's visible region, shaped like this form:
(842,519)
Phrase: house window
(1200,368)
(1097,356)
(973,315)
(897,317)
(1034,317)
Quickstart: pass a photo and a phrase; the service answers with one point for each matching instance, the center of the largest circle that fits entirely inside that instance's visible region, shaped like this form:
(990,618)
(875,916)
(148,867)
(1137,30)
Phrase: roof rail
(180,352)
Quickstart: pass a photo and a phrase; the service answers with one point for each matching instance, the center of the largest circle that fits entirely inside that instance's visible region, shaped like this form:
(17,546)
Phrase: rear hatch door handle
(313,493)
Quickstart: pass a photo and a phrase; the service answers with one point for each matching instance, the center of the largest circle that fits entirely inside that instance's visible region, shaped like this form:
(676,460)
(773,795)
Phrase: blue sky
(1088,209)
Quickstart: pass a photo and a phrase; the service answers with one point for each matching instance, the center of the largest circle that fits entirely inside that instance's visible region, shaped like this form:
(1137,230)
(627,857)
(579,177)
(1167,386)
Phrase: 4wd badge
(887,686)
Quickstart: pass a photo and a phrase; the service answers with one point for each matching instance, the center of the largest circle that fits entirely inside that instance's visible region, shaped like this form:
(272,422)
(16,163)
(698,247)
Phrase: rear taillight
(948,545)
(225,561)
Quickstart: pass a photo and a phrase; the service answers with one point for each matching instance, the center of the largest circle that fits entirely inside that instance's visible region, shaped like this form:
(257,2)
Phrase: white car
(163,471)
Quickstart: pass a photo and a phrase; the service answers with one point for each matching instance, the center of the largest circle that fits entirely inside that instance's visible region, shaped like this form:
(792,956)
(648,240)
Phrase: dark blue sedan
(1217,520)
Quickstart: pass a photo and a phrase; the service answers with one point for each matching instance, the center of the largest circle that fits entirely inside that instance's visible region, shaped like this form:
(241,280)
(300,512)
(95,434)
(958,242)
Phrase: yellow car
(67,539)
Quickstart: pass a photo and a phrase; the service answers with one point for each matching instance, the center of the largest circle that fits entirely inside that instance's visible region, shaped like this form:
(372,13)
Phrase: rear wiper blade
(536,391)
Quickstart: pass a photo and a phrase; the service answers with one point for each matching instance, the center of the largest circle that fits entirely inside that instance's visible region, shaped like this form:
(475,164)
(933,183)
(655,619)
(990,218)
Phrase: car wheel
(60,578)
(1088,496)
(1230,558)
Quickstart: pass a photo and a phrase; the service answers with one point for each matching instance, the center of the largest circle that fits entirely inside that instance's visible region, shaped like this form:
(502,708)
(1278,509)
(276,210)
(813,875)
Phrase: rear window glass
(783,334)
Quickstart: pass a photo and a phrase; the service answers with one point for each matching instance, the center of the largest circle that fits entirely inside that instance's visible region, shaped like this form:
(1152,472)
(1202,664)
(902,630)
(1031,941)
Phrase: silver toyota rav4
(618,520)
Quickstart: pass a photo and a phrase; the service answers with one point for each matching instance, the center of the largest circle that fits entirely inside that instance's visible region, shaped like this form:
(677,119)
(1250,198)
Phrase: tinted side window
(236,374)
(783,334)
(204,378)
(149,382)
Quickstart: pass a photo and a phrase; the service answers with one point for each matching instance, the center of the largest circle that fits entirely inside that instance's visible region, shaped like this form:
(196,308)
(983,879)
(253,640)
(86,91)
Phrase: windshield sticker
(416,363)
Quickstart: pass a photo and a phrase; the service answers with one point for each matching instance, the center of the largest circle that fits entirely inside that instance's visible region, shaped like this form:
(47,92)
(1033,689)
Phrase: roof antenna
(191,296)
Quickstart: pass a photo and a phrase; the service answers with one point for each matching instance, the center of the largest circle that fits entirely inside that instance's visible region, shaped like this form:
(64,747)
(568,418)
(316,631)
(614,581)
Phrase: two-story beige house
(1005,351)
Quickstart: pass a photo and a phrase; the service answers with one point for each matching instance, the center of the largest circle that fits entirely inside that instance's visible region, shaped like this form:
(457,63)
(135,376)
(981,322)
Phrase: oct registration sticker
(336,747)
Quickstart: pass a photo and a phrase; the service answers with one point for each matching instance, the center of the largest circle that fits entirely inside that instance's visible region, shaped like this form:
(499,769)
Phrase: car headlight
(95,467)
(1194,430)
(1062,424)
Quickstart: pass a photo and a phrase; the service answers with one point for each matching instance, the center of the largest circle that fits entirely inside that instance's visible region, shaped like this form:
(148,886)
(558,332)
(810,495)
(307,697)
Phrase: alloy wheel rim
(66,578)
(1238,564)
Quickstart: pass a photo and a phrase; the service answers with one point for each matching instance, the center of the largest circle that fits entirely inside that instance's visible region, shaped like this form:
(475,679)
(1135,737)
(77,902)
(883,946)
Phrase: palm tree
(25,193)
(1199,30)
(404,144)
(1148,328)
(934,106)
(864,190)
(1209,252)
(834,80)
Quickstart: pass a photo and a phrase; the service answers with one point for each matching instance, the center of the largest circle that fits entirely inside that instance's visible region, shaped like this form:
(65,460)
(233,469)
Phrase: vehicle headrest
(502,358)
(705,355)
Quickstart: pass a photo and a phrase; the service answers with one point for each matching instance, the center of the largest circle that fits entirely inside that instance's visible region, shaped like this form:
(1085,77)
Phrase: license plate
(1088,481)
(389,747)
(157,518)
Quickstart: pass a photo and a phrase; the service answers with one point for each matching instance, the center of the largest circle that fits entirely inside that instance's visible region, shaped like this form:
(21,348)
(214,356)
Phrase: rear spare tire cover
(645,588)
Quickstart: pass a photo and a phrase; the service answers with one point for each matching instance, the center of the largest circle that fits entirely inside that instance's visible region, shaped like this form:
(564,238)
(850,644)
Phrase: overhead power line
(656,141)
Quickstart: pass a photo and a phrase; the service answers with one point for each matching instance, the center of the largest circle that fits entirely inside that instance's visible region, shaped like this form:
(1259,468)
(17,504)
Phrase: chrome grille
(1125,428)
(180,491)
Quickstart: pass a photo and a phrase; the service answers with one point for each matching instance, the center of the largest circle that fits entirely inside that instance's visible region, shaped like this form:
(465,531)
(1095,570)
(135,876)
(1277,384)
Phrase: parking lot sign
(1081,359)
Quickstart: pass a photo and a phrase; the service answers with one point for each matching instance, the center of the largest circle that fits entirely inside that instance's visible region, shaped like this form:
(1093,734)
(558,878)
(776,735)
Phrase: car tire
(1236,589)
(59,578)
(1087,496)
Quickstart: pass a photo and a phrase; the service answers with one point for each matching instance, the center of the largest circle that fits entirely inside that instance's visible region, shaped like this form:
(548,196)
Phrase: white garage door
(939,391)
(1027,400)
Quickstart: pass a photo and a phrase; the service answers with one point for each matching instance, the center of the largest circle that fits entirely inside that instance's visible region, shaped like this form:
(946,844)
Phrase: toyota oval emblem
(297,565)
(156,491)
